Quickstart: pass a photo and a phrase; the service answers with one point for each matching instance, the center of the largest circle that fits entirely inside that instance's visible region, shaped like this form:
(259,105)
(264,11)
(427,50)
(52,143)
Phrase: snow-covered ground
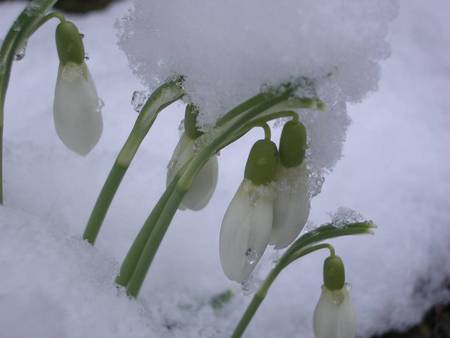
(395,170)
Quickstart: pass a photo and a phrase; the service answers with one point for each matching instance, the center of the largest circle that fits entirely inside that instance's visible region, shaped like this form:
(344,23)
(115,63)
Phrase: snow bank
(231,50)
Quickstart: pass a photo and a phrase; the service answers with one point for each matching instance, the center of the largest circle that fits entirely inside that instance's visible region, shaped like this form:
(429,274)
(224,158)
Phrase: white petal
(203,186)
(77,117)
(245,230)
(291,206)
(334,316)
(205,182)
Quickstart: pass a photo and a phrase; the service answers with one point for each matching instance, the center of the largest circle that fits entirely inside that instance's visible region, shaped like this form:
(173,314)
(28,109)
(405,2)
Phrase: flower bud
(293,144)
(69,43)
(262,162)
(333,273)
(190,122)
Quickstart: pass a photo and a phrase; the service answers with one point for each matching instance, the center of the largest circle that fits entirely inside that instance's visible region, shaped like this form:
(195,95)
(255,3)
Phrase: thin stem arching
(24,26)
(161,98)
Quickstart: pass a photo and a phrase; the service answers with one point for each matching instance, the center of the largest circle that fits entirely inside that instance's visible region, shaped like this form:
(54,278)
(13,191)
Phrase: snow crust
(395,171)
(232,50)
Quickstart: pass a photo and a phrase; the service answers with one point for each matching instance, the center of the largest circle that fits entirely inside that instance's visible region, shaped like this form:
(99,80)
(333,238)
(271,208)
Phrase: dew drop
(21,51)
(86,56)
(138,100)
(100,104)
(82,35)
(251,255)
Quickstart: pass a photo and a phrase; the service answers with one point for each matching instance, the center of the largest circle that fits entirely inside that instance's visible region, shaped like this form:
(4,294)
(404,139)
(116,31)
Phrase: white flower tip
(77,109)
(291,206)
(245,230)
(334,316)
(204,184)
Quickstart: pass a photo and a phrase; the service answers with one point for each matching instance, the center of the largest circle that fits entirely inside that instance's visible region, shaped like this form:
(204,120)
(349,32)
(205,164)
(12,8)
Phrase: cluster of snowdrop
(306,76)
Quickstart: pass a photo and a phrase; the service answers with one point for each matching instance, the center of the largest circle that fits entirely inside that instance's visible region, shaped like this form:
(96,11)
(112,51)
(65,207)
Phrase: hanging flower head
(76,108)
(247,224)
(334,316)
(292,202)
(204,184)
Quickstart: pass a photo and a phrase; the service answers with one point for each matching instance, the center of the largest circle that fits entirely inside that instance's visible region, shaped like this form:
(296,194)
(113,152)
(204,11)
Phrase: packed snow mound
(228,50)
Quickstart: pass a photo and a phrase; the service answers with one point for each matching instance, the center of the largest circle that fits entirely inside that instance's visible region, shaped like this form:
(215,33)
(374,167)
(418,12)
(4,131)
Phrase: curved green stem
(161,98)
(133,255)
(306,244)
(267,132)
(48,17)
(260,295)
(26,23)
(154,241)
(258,122)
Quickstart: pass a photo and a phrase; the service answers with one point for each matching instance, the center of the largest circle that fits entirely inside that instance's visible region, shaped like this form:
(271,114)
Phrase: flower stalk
(29,20)
(303,246)
(161,98)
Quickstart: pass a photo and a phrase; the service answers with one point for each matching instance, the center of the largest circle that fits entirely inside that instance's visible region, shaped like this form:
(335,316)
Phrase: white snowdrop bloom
(334,316)
(204,184)
(77,108)
(291,206)
(245,230)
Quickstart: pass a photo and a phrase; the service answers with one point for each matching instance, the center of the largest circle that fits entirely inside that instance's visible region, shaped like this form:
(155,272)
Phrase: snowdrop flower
(247,224)
(204,184)
(334,316)
(292,202)
(76,108)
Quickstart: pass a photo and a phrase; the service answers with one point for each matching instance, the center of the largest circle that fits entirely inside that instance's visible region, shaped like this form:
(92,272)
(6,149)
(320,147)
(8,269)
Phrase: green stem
(133,255)
(300,248)
(103,202)
(258,122)
(264,288)
(48,17)
(246,105)
(154,241)
(161,98)
(20,31)
(267,132)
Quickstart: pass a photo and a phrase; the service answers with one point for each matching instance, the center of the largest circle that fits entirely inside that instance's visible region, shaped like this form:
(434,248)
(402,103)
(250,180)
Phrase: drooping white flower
(291,206)
(76,109)
(245,230)
(203,185)
(334,316)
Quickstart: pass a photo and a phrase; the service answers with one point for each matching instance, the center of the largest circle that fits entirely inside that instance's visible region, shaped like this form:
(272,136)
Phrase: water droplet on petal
(251,255)
(82,35)
(86,56)
(100,104)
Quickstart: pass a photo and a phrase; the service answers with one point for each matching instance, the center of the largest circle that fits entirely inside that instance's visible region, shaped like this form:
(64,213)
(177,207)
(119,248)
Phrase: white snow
(229,51)
(395,170)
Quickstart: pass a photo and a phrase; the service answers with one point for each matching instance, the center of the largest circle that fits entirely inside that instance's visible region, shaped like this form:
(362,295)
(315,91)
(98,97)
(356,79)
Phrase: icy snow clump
(229,50)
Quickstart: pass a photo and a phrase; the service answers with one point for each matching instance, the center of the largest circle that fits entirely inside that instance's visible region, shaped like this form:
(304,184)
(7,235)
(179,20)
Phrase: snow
(229,51)
(395,171)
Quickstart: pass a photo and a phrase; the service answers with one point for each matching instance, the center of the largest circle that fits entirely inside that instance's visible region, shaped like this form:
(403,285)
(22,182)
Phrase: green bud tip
(293,144)
(333,273)
(262,162)
(69,43)
(190,122)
